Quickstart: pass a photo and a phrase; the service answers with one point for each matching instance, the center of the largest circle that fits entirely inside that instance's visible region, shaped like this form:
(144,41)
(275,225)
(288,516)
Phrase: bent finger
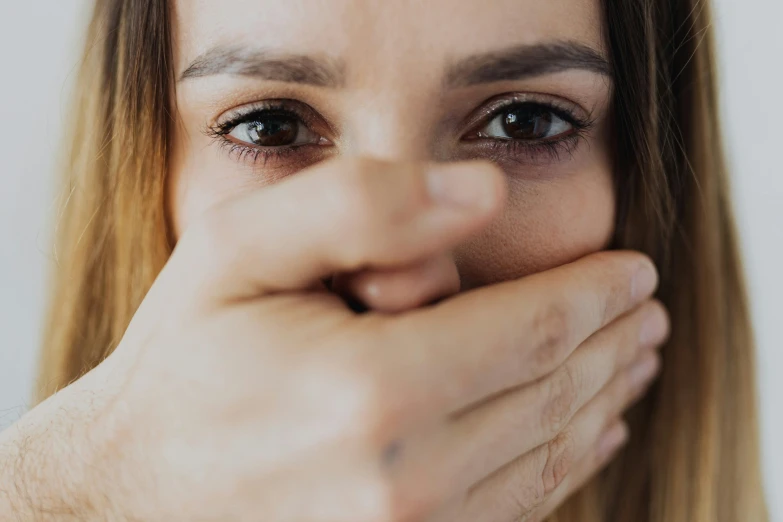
(585,469)
(524,489)
(528,481)
(487,437)
(339,216)
(401,289)
(484,342)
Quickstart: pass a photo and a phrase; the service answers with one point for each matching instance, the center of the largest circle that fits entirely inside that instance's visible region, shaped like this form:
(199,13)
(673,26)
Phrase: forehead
(383,34)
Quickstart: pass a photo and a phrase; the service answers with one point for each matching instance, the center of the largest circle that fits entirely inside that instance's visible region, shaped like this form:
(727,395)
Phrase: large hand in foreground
(243,390)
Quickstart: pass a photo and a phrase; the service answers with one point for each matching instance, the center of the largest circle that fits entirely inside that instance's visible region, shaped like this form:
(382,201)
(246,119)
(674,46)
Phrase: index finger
(485,341)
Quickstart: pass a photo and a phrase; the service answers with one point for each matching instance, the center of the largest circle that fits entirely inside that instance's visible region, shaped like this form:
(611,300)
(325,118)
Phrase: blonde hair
(694,454)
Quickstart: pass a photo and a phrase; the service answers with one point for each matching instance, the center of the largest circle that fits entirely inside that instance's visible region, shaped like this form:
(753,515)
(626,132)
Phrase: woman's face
(267,88)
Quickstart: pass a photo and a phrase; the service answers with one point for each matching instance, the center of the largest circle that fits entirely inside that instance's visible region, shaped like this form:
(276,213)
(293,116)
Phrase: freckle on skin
(392,453)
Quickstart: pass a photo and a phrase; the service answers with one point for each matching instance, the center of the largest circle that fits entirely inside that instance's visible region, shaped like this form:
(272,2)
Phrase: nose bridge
(392,88)
(389,131)
(392,122)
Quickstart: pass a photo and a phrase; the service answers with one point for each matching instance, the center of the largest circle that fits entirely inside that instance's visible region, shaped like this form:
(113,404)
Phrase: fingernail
(645,281)
(643,371)
(654,329)
(611,440)
(466,186)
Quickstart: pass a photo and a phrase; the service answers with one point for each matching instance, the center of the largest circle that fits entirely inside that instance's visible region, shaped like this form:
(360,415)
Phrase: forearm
(45,467)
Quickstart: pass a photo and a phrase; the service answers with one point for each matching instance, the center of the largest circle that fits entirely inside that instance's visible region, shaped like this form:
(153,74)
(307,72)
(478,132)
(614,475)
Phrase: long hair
(693,455)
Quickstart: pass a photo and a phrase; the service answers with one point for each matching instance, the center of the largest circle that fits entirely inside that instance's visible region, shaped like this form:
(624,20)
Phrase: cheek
(547,223)
(184,194)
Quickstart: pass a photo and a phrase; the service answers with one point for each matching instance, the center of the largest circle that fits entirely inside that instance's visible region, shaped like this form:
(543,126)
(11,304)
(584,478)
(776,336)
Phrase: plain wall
(39,44)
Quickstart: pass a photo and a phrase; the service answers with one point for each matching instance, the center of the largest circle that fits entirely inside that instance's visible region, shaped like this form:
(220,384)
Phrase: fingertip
(645,279)
(656,325)
(615,436)
(639,267)
(499,180)
(476,186)
(403,289)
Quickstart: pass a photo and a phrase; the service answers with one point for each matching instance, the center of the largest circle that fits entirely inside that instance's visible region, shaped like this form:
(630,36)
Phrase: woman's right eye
(273,129)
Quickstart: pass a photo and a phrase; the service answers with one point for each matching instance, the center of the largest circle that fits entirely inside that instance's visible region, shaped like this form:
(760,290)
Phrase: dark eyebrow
(269,65)
(514,63)
(525,61)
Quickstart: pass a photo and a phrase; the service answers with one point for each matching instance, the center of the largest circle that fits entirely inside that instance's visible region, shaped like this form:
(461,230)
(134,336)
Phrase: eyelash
(256,155)
(497,149)
(551,149)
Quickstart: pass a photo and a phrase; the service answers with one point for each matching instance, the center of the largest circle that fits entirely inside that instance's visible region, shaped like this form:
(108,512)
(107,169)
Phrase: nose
(391,126)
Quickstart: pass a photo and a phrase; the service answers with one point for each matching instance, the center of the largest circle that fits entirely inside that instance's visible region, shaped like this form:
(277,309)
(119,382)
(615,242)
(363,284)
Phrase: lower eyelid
(533,153)
(296,155)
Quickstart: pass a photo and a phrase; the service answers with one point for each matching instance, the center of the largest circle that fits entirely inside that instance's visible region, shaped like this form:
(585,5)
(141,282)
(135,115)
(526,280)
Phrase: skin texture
(394,106)
(242,387)
(494,404)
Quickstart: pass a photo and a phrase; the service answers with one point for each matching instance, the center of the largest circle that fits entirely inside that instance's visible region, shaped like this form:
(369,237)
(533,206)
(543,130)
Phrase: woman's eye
(525,122)
(274,130)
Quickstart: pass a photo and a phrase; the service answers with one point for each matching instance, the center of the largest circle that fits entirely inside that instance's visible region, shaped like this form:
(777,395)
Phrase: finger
(480,343)
(586,468)
(514,496)
(339,216)
(526,483)
(485,438)
(402,289)
(532,476)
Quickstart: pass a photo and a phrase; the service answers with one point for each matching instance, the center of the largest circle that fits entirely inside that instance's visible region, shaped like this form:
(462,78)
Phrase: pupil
(274,131)
(527,123)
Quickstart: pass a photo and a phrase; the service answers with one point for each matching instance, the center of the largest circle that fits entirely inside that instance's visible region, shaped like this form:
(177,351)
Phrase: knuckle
(562,393)
(551,334)
(528,491)
(373,426)
(373,412)
(559,460)
(371,419)
(525,500)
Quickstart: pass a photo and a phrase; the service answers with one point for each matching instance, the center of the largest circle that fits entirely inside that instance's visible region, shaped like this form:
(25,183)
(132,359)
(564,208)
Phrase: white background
(39,44)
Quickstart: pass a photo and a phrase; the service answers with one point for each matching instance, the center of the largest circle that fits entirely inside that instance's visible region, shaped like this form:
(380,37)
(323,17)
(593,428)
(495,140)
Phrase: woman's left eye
(526,122)
(271,129)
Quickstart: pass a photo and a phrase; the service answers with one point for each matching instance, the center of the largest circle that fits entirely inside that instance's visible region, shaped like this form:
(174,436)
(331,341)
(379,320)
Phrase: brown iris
(528,123)
(273,130)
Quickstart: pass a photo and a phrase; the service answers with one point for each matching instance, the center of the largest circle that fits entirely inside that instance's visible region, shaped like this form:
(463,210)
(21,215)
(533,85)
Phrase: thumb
(340,216)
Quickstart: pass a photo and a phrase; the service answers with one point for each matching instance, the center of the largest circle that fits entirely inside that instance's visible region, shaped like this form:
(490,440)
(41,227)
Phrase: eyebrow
(525,61)
(267,65)
(514,63)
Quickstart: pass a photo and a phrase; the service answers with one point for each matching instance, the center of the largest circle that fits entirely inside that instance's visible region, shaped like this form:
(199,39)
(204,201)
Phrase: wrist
(48,463)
